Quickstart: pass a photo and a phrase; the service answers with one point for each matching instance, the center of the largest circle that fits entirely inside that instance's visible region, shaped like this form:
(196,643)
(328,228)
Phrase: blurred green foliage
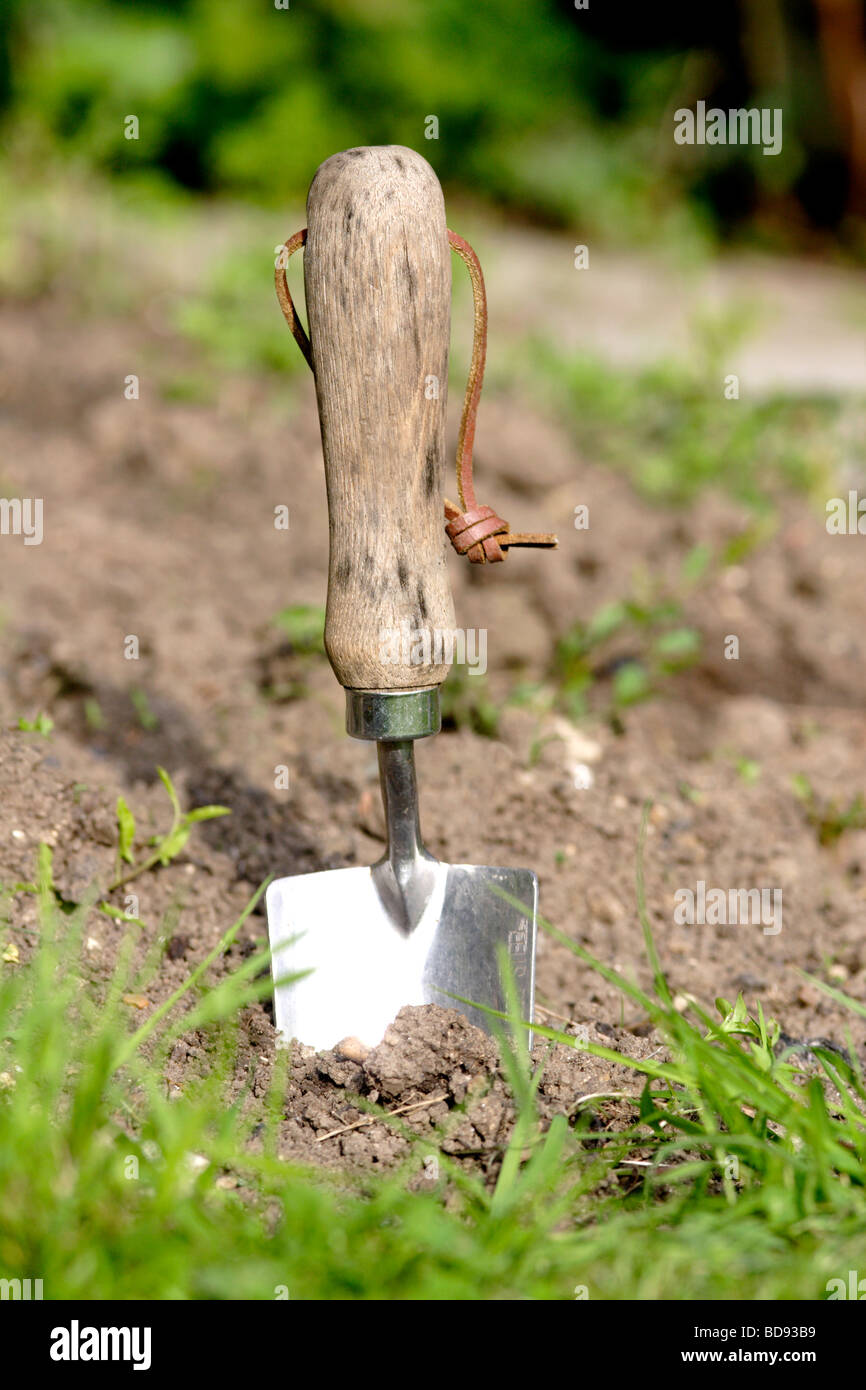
(671,427)
(828,817)
(535,109)
(303,626)
(248,96)
(233,322)
(636,643)
(467,703)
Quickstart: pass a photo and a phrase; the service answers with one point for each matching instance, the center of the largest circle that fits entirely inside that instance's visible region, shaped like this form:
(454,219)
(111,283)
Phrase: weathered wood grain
(377,275)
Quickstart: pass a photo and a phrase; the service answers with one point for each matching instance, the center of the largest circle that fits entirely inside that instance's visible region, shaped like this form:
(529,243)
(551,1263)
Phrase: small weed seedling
(167,846)
(42,724)
(829,819)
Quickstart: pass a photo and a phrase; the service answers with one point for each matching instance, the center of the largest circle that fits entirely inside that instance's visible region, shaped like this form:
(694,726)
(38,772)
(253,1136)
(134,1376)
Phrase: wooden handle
(377,274)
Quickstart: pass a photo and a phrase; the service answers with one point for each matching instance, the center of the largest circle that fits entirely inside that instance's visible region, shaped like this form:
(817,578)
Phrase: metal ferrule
(390,716)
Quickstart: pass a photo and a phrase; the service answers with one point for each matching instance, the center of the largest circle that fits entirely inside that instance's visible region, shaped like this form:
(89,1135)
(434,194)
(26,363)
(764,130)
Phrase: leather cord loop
(281,280)
(474,530)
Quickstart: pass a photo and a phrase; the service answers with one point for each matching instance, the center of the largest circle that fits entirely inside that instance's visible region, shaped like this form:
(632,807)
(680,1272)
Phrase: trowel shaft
(405,874)
(399,786)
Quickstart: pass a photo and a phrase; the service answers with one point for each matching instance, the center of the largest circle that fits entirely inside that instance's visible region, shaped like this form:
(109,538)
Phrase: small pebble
(351,1050)
(136,1001)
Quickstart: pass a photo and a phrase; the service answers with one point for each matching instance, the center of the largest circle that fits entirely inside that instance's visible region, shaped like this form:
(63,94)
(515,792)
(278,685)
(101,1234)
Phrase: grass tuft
(740,1176)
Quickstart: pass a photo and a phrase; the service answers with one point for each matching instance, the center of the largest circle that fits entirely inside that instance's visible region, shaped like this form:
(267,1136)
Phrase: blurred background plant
(563,114)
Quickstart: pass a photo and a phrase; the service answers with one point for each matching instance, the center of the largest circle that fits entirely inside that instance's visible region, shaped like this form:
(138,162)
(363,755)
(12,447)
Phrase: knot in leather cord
(474,530)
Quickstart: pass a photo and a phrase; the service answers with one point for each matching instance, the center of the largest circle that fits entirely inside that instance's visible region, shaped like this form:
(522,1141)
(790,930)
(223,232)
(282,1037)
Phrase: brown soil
(159,523)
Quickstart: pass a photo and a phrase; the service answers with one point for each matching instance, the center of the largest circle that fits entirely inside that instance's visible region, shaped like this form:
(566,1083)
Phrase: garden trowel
(409,930)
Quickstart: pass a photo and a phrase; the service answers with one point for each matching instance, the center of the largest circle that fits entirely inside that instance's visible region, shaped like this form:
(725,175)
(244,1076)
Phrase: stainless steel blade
(365,966)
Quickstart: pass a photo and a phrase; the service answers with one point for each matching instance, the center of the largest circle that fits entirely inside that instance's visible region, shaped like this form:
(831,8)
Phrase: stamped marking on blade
(518,945)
